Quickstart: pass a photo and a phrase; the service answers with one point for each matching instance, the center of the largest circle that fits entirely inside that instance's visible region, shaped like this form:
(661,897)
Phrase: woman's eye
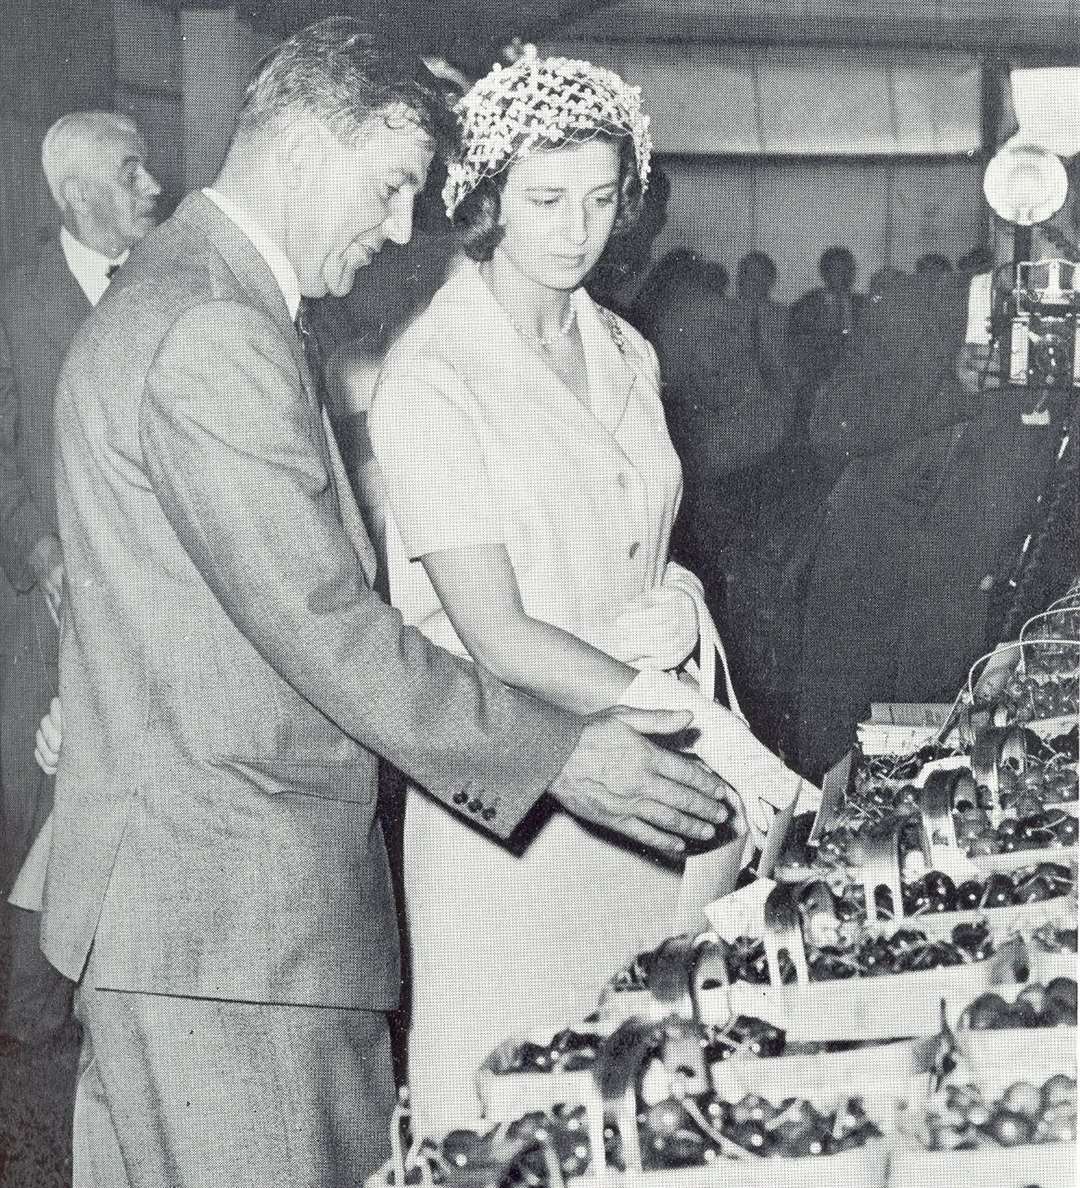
(606,200)
(541,201)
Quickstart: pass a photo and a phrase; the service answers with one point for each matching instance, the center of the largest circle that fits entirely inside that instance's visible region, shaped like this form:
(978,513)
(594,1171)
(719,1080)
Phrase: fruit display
(855,951)
(895,1007)
(542,1149)
(959,1117)
(705,1128)
(1052,1005)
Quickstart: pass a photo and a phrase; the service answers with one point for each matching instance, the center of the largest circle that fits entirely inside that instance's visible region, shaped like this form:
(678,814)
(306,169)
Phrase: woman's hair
(476,219)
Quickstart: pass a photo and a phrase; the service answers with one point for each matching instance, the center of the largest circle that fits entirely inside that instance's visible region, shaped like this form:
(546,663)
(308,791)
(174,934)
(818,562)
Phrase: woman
(532,486)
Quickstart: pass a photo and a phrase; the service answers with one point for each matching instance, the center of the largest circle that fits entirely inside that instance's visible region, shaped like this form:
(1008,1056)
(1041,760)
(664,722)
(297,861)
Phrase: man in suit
(218,880)
(823,322)
(95,166)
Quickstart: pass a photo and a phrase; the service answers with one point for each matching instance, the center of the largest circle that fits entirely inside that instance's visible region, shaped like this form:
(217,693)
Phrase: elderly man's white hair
(70,147)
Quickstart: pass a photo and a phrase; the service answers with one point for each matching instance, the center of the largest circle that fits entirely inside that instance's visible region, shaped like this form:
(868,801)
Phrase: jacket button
(475,805)
(488,814)
(460,797)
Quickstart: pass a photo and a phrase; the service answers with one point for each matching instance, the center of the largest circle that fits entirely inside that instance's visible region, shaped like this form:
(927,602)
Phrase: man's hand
(47,564)
(620,781)
(50,734)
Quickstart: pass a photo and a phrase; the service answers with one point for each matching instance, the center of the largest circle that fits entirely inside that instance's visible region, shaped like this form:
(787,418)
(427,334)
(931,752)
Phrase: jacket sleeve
(21,522)
(233,450)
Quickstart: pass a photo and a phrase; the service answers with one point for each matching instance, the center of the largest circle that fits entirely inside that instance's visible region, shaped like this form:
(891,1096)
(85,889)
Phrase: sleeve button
(460,797)
(488,814)
(475,805)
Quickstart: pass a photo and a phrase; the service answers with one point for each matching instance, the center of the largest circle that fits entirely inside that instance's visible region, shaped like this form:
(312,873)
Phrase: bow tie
(111,271)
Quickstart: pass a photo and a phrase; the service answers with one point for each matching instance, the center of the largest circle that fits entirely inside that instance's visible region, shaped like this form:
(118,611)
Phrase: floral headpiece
(541,101)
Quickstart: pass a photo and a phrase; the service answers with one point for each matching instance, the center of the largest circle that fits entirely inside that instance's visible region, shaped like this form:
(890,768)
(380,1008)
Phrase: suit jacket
(228,674)
(41,307)
(817,344)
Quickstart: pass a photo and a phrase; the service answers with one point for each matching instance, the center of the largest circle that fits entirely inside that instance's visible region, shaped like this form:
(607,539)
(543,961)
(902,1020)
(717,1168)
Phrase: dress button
(634,548)
(460,797)
(622,480)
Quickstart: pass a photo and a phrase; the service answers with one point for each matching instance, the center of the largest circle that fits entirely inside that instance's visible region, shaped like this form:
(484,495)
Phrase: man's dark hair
(338,73)
(835,255)
(759,264)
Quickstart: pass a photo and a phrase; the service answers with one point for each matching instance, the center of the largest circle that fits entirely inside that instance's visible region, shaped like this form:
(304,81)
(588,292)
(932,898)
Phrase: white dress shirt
(89,267)
(275,258)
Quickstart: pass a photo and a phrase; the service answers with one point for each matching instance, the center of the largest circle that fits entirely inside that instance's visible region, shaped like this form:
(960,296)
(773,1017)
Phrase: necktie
(111,271)
(313,355)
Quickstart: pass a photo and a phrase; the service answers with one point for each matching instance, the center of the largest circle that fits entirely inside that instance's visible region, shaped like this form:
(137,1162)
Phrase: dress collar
(487,335)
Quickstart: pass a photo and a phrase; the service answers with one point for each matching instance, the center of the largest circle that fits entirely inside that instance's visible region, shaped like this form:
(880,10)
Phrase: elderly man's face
(118,201)
(354,198)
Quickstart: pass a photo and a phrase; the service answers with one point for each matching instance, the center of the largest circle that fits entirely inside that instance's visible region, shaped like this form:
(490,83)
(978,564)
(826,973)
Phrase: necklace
(549,340)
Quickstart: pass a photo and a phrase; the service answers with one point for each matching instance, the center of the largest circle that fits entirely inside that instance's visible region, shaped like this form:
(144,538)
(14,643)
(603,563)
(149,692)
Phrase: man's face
(117,203)
(356,196)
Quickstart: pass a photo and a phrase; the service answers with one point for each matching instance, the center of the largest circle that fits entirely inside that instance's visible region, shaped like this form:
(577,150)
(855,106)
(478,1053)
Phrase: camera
(1036,321)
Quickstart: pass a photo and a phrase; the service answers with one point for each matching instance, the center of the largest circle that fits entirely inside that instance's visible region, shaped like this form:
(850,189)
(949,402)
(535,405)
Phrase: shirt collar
(276,260)
(89,267)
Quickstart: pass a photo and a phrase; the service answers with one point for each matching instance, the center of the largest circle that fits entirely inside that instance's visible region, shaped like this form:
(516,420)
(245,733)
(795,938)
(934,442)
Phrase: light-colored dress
(479,442)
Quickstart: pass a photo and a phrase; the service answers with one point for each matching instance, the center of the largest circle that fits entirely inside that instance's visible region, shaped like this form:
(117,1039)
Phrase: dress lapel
(495,356)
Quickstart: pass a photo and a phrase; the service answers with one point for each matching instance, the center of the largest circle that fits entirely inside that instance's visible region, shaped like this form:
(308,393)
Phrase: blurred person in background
(933,265)
(95,167)
(729,401)
(822,328)
(628,255)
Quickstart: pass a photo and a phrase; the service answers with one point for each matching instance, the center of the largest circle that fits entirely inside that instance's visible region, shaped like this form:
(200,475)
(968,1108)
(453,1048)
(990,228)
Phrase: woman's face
(557,210)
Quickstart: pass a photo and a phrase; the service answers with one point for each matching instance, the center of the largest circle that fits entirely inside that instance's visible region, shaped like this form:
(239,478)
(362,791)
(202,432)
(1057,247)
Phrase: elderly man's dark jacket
(41,307)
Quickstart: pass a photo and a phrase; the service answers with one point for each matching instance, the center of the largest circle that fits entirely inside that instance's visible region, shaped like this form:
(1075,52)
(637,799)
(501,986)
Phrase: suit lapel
(351,519)
(57,291)
(254,276)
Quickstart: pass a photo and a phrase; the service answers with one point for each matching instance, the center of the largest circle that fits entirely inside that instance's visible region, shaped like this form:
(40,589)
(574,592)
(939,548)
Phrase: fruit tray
(507,1093)
(867,1008)
(759,1123)
(1012,1010)
(743,1043)
(1010,1090)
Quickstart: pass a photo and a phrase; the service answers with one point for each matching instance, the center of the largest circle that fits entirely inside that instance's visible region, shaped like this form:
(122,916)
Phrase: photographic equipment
(1035,314)
(1037,323)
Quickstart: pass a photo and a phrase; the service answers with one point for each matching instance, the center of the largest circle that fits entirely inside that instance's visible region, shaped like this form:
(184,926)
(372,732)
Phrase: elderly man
(95,167)
(218,880)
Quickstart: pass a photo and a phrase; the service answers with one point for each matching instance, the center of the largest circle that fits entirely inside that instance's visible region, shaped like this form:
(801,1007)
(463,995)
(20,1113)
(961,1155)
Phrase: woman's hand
(658,629)
(48,739)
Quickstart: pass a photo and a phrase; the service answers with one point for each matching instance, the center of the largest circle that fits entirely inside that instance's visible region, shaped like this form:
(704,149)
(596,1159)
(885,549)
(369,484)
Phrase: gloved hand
(726,744)
(658,629)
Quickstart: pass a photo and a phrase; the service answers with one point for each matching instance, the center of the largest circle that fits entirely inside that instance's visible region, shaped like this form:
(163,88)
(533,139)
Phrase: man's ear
(73,196)
(301,145)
